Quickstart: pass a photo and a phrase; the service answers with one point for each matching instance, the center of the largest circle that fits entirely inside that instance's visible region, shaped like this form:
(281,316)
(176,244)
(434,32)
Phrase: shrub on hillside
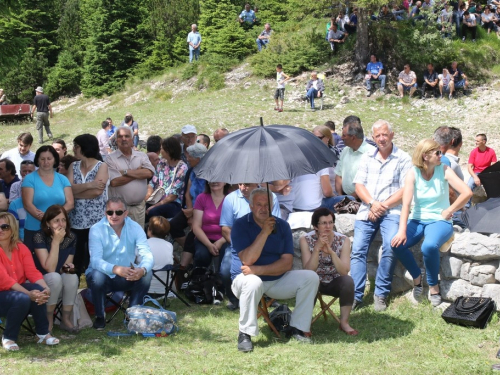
(295,51)
(64,77)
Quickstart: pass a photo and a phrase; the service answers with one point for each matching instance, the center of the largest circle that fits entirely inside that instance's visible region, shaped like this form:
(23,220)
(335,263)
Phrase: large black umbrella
(483,217)
(264,154)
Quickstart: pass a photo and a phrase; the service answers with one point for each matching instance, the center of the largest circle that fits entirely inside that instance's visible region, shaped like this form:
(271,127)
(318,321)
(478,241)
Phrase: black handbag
(470,311)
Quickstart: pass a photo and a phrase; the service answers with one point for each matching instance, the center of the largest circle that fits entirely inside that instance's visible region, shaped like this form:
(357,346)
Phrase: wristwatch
(371,204)
(124,172)
(145,271)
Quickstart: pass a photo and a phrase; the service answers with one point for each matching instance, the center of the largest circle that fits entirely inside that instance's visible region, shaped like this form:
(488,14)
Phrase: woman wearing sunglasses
(55,250)
(18,298)
(427,183)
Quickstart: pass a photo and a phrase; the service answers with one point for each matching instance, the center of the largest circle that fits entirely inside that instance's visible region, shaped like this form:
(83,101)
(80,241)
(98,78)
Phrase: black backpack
(204,286)
(280,317)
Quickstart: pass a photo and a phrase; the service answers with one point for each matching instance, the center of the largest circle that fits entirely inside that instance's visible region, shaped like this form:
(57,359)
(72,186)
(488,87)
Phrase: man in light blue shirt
(247,15)
(374,73)
(114,243)
(236,205)
(194,41)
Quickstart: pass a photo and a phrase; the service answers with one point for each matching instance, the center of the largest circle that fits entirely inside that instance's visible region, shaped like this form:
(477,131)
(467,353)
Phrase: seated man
(480,158)
(374,72)
(267,260)
(407,81)
(114,243)
(459,77)
(335,36)
(430,80)
(247,16)
(314,89)
(446,83)
(385,15)
(264,37)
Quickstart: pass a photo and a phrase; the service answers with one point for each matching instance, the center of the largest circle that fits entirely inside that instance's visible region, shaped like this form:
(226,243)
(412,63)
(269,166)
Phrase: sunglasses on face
(5,227)
(117,213)
(321,136)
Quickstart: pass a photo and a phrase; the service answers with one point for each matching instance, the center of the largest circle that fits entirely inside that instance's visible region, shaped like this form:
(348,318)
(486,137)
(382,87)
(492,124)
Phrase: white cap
(187,129)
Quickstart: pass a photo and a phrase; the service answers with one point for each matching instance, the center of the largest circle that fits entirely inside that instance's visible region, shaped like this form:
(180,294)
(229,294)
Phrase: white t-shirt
(446,79)
(15,156)
(308,192)
(163,254)
(280,80)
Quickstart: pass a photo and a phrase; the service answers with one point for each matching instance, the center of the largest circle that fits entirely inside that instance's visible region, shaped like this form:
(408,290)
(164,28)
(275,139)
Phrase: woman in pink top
(206,218)
(18,298)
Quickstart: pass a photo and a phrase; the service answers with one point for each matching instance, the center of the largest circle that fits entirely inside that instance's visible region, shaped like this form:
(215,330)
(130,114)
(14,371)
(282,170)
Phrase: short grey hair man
(261,191)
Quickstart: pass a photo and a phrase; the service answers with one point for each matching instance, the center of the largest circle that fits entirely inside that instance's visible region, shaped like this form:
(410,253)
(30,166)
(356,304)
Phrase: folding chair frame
(119,305)
(26,324)
(171,270)
(262,309)
(325,307)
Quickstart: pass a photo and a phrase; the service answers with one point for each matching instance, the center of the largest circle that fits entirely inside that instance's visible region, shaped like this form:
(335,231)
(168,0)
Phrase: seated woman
(18,298)
(55,250)
(209,241)
(328,253)
(163,251)
(427,185)
(170,175)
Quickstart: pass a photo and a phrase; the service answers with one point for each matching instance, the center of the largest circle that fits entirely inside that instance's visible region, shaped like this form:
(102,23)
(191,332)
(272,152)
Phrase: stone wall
(470,268)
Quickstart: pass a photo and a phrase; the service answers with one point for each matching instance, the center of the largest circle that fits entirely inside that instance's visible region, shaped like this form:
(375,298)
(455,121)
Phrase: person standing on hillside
(247,16)
(279,94)
(194,41)
(42,105)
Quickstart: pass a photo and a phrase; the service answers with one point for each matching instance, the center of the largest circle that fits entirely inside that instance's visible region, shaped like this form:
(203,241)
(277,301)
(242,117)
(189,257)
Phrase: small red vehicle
(15,111)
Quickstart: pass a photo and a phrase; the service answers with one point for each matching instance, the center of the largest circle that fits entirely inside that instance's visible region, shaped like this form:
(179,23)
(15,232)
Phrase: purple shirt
(211,216)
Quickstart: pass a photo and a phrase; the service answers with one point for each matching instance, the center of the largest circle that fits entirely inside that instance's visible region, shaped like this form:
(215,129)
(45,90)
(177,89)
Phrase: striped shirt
(382,178)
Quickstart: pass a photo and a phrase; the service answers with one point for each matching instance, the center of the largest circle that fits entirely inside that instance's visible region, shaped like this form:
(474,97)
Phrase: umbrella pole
(269,202)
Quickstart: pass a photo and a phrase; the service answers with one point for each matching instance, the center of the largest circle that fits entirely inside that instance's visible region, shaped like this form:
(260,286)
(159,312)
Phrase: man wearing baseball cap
(188,138)
(42,105)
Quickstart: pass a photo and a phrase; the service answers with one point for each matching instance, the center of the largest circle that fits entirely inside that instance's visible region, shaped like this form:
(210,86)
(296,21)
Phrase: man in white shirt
(22,151)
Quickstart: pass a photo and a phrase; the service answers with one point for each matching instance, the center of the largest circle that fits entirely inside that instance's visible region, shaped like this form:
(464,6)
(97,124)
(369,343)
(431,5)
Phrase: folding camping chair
(262,309)
(171,272)
(325,307)
(119,304)
(26,324)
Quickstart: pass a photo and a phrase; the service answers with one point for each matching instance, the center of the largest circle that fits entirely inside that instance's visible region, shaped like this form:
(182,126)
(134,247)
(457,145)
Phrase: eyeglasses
(117,213)
(245,185)
(27,162)
(325,223)
(197,141)
(438,153)
(321,137)
(5,227)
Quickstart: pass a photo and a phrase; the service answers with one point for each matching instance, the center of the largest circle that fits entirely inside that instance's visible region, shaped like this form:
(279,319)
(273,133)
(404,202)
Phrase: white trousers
(301,285)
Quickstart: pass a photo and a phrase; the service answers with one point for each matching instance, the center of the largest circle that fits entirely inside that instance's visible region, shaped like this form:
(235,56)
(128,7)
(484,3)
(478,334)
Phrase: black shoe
(357,305)
(244,342)
(99,323)
(298,335)
(233,307)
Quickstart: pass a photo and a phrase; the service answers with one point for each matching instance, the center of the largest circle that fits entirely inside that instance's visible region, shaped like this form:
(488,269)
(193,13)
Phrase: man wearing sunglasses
(113,244)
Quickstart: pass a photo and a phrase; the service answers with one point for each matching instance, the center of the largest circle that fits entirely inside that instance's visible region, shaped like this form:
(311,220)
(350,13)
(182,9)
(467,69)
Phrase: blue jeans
(435,234)
(364,233)
(136,140)
(203,257)
(331,201)
(194,53)
(167,210)
(311,94)
(225,273)
(381,78)
(101,284)
(262,43)
(455,20)
(472,185)
(16,306)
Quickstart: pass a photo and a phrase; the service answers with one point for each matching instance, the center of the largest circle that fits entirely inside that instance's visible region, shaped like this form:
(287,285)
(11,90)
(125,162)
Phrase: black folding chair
(120,304)
(171,270)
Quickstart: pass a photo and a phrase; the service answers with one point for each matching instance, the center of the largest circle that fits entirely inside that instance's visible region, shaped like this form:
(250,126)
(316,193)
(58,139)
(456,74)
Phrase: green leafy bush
(297,52)
(64,77)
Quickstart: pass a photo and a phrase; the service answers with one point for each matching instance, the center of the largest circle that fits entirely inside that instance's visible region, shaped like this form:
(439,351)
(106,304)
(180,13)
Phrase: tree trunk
(362,45)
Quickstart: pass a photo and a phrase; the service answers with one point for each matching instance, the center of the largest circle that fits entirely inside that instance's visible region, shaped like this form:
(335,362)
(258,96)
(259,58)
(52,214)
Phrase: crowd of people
(93,217)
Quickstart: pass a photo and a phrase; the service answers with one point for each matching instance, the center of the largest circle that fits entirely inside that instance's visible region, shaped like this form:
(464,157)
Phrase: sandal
(48,340)
(350,333)
(9,345)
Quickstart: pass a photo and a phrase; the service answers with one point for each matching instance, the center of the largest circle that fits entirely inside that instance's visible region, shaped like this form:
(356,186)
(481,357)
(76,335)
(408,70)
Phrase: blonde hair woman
(427,183)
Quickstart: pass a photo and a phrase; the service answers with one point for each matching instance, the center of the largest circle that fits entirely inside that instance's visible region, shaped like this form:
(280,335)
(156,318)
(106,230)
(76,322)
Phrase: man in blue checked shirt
(379,185)
(374,72)
(114,243)
(247,15)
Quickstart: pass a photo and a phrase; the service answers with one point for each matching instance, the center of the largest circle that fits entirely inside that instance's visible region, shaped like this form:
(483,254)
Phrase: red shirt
(482,159)
(19,269)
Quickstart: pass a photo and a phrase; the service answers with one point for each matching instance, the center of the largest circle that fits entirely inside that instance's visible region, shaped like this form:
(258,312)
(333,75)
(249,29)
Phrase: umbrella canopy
(483,217)
(264,154)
